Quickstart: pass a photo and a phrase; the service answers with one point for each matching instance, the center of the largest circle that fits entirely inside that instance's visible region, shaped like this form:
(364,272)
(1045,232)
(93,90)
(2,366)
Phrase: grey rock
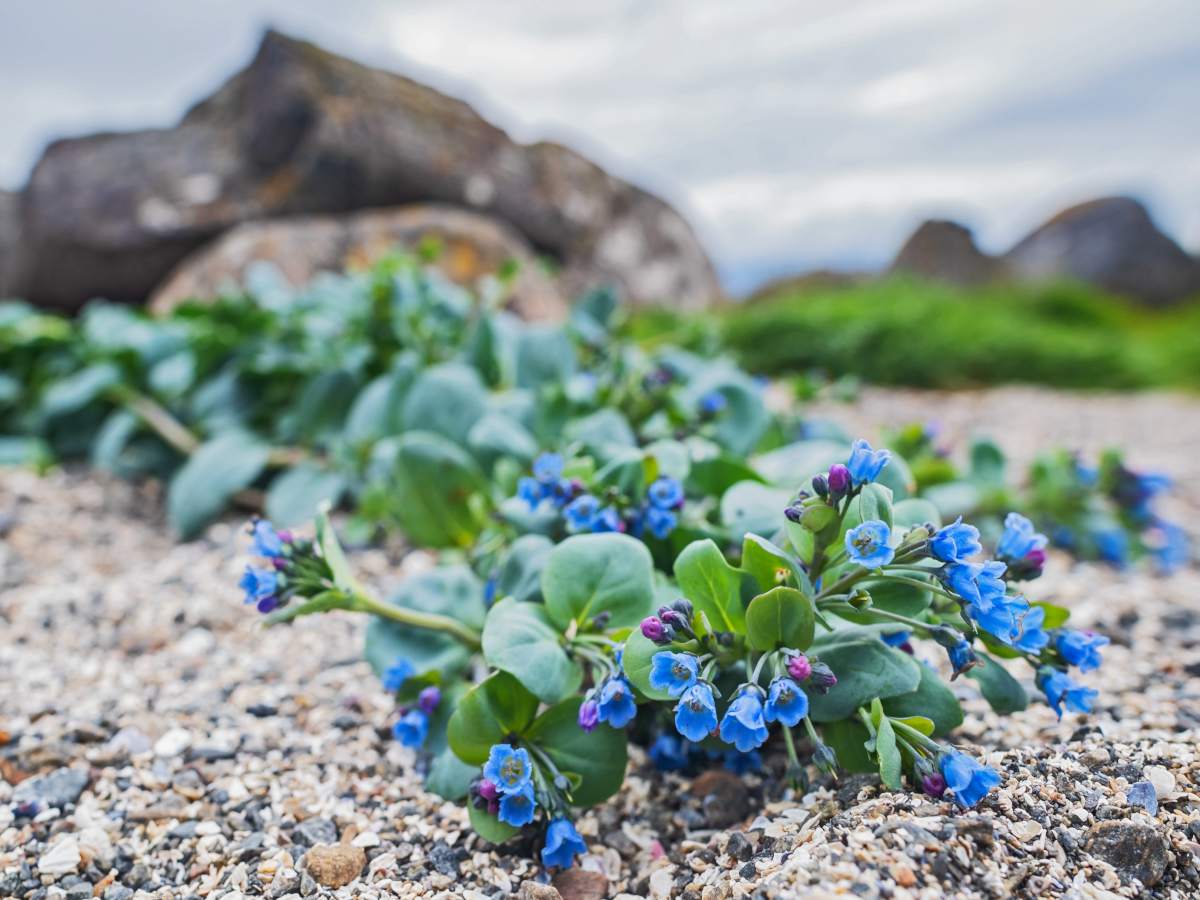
(58,788)
(946,251)
(1112,243)
(315,831)
(1133,849)
(80,891)
(302,131)
(739,846)
(1144,795)
(118,892)
(11,245)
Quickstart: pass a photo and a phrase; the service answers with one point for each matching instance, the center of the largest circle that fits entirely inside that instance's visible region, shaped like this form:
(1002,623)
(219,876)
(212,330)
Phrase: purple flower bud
(793,513)
(933,784)
(821,486)
(838,480)
(589,715)
(799,667)
(286,536)
(429,699)
(683,607)
(488,791)
(822,678)
(655,630)
(673,619)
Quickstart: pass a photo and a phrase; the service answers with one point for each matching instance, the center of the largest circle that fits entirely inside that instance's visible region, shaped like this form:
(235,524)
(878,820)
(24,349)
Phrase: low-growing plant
(799,615)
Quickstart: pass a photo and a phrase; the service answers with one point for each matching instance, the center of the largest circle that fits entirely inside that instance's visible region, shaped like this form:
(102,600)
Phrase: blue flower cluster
(967,778)
(546,483)
(266,586)
(611,702)
(508,782)
(671,753)
(413,726)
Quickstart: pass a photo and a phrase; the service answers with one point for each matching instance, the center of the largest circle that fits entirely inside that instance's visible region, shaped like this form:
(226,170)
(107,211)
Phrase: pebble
(335,865)
(58,789)
(62,857)
(1133,849)
(173,742)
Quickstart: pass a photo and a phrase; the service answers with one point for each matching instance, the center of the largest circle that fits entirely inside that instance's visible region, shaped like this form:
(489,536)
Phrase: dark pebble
(118,892)
(739,847)
(1135,850)
(444,859)
(749,872)
(315,831)
(261,710)
(60,788)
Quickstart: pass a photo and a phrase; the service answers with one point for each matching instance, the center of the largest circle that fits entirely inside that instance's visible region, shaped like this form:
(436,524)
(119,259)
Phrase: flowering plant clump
(805,617)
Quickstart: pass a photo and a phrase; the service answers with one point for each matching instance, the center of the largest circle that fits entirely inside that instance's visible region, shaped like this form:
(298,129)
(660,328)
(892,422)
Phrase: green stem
(923,585)
(914,624)
(405,616)
(812,732)
(758,666)
(793,758)
(156,416)
(913,735)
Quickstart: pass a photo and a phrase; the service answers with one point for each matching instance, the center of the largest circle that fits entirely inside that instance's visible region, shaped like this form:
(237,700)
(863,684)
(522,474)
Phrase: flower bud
(487,790)
(839,481)
(794,514)
(589,715)
(600,620)
(672,618)
(825,759)
(933,784)
(429,699)
(822,678)
(799,667)
(821,486)
(655,630)
(860,599)
(684,608)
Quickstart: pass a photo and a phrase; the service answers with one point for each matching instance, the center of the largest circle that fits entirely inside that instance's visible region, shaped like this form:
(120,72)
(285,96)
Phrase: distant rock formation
(472,246)
(302,131)
(10,239)
(946,251)
(1112,243)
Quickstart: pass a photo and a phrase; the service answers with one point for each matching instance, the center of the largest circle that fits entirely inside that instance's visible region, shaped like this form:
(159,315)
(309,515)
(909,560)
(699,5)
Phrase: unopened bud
(820,486)
(838,481)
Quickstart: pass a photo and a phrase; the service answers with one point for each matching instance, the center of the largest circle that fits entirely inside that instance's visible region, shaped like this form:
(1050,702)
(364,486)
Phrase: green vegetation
(906,332)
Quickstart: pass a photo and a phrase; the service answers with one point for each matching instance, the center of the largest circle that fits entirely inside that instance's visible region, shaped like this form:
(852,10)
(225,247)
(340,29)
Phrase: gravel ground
(154,741)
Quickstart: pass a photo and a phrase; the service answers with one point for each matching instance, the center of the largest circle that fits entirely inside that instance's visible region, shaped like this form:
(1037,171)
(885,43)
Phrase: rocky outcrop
(303,131)
(10,244)
(472,246)
(946,251)
(1112,243)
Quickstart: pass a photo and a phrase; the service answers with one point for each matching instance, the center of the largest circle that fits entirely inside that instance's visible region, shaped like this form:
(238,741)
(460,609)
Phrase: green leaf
(639,650)
(954,498)
(888,754)
(544,356)
(713,476)
(297,493)
(321,407)
(449,777)
(73,393)
(865,670)
(987,464)
(488,826)
(497,435)
(671,457)
(335,556)
(377,411)
(602,433)
(599,757)
(1003,692)
(447,400)
(914,511)
(782,617)
(518,638)
(848,738)
(429,486)
(794,464)
(902,599)
(1056,616)
(750,506)
(490,712)
(593,573)
(214,473)
(711,584)
(520,575)
(932,699)
(873,503)
(114,435)
(762,559)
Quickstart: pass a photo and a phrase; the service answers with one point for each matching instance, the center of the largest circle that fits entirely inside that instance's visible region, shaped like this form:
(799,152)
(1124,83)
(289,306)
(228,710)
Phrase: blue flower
(508,769)
(266,541)
(1019,538)
(786,702)
(606,520)
(962,657)
(1032,637)
(665,493)
(517,806)
(396,674)
(548,468)
(489,591)
(955,542)
(412,728)
(741,763)
(864,463)
(530,490)
(896,638)
(616,703)
(712,403)
(669,753)
(1171,551)
(1060,689)
(661,522)
(743,725)
(673,672)
(1081,648)
(581,513)
(1002,619)
(970,780)
(1113,545)
(696,712)
(563,844)
(978,583)
(259,584)
(867,544)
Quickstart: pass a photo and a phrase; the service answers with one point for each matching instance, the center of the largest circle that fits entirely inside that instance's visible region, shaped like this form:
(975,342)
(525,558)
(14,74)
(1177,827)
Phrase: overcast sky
(793,134)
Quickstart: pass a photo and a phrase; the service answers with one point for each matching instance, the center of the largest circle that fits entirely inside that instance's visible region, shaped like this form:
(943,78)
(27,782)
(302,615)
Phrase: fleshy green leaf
(782,617)
(214,473)
(1003,692)
(865,670)
(490,712)
(447,400)
(635,660)
(599,758)
(518,638)
(489,827)
(593,573)
(297,493)
(888,754)
(932,699)
(430,482)
(711,584)
(520,574)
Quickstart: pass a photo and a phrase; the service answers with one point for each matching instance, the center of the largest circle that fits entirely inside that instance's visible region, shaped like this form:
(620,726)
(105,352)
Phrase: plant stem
(914,624)
(432,621)
(165,425)
(923,585)
(913,735)
(791,747)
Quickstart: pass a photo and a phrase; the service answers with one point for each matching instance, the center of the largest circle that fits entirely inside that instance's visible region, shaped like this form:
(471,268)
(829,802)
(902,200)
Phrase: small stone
(173,742)
(1145,795)
(1162,779)
(1026,830)
(722,797)
(903,876)
(532,890)
(118,892)
(316,831)
(61,858)
(366,839)
(739,847)
(58,789)
(581,884)
(1135,850)
(80,891)
(335,865)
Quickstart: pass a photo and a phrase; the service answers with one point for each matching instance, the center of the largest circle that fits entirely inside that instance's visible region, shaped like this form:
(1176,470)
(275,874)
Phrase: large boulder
(946,251)
(10,244)
(472,246)
(1112,243)
(301,130)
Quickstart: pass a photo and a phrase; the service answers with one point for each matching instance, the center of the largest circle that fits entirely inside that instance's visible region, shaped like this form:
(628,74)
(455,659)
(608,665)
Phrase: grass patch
(907,332)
